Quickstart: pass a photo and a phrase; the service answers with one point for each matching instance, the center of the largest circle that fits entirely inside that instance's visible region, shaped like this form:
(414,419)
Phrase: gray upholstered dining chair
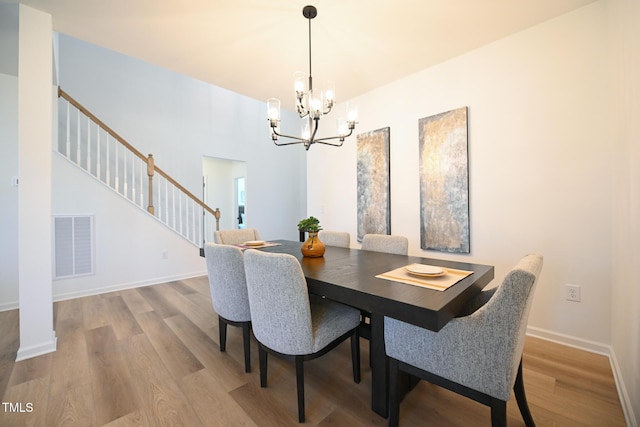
(391,244)
(478,355)
(335,238)
(235,236)
(225,268)
(291,324)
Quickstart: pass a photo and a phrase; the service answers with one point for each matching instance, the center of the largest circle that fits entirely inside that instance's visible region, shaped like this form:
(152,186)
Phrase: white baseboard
(106,289)
(571,341)
(123,286)
(37,350)
(6,306)
(627,407)
(593,347)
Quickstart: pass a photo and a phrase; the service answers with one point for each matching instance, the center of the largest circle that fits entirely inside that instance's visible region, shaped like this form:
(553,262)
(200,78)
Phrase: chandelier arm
(324,141)
(284,135)
(335,137)
(302,111)
(280,144)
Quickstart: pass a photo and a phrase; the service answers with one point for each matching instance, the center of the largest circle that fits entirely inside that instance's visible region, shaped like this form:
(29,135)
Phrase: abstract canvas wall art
(444,182)
(374,200)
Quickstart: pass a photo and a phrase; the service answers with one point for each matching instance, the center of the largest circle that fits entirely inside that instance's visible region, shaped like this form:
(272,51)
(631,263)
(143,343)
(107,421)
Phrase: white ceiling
(253,47)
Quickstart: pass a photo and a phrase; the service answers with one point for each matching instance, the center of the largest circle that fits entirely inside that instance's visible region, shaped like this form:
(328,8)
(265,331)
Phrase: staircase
(91,145)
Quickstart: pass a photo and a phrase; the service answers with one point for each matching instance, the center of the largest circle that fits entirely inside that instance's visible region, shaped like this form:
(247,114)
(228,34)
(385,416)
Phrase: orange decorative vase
(313,247)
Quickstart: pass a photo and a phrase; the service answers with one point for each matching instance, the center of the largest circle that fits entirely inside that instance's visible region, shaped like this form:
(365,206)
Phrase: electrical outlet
(573,293)
(165,254)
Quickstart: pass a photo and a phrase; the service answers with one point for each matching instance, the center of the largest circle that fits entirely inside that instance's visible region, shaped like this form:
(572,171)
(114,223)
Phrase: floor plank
(177,358)
(113,392)
(160,397)
(70,363)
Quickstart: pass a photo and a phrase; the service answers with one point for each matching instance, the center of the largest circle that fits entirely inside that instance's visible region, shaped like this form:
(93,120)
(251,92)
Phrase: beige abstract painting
(374,200)
(444,182)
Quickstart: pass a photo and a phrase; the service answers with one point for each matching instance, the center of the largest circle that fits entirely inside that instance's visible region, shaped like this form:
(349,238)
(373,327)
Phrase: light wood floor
(149,357)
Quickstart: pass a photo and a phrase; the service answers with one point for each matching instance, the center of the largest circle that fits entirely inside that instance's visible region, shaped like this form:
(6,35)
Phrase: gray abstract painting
(444,182)
(374,201)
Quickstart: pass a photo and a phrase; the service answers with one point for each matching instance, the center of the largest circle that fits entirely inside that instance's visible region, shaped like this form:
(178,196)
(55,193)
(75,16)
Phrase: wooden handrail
(151,167)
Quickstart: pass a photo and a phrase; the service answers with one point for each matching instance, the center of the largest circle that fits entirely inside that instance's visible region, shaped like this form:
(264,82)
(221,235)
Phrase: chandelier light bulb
(316,104)
(343,128)
(299,81)
(329,92)
(306,131)
(273,110)
(352,113)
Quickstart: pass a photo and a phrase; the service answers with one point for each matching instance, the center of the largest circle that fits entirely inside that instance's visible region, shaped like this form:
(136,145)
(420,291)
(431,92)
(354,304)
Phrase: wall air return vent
(73,246)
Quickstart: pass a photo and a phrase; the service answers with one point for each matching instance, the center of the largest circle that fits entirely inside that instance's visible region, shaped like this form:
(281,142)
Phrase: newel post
(216,214)
(150,171)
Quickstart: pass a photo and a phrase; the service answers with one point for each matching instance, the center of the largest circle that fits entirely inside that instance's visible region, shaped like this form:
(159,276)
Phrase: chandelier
(311,105)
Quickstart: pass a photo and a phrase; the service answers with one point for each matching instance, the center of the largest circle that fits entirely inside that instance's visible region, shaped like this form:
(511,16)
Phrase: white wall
(179,120)
(624,18)
(158,253)
(539,158)
(9,39)
(8,154)
(8,193)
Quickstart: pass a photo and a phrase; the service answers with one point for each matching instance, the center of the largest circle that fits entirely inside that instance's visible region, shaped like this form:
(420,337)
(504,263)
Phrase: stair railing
(92,145)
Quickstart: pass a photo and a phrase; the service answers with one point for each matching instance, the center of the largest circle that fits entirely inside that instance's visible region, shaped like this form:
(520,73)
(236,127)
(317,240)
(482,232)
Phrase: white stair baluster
(88,145)
(68,147)
(78,162)
(98,155)
(190,230)
(142,169)
(106,163)
(134,194)
(116,160)
(180,209)
(125,177)
(165,192)
(159,198)
(175,206)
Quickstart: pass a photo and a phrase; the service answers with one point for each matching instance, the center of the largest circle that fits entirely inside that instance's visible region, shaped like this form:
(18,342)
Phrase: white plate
(425,270)
(254,243)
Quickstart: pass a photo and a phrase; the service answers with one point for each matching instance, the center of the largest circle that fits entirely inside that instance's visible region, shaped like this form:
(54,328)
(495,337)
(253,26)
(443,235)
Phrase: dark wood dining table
(349,276)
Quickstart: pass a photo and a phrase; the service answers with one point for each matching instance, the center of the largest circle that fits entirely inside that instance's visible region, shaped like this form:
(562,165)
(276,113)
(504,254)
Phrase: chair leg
(498,413)
(521,398)
(222,327)
(355,356)
(246,337)
(262,355)
(300,385)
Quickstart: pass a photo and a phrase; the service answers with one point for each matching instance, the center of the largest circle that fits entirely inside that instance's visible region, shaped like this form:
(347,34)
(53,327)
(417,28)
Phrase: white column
(35,129)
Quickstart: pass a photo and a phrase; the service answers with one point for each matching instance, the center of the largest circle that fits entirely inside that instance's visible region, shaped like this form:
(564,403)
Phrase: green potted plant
(311,224)
(312,247)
